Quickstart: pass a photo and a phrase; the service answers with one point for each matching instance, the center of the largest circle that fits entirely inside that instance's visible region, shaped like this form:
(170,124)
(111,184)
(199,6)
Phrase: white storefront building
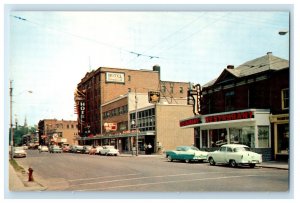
(249,126)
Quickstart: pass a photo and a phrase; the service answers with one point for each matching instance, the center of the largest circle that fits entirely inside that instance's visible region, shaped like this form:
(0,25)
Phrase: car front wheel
(170,158)
(232,163)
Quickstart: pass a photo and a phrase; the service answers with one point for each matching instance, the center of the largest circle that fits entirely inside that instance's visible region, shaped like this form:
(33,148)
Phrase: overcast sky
(50,52)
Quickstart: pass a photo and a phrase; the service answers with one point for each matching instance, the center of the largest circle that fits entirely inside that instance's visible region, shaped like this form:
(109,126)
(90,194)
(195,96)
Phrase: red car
(66,148)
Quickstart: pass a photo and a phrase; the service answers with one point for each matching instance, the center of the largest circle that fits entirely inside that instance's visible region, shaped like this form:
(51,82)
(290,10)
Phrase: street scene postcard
(148,102)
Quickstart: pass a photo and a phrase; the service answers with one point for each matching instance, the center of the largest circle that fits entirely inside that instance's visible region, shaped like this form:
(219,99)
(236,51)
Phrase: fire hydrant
(30,176)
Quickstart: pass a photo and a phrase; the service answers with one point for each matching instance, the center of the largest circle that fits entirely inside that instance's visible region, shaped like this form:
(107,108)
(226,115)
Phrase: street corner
(19,182)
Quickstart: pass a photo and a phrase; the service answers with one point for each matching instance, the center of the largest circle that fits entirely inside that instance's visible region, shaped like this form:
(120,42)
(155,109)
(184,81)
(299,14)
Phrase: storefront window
(204,138)
(283,138)
(244,135)
(263,136)
(217,137)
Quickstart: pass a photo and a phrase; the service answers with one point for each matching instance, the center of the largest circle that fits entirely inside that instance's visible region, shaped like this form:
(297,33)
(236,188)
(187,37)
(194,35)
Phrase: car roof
(234,145)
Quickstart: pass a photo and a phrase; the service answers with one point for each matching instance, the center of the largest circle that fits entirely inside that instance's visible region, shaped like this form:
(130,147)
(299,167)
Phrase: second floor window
(229,101)
(285,98)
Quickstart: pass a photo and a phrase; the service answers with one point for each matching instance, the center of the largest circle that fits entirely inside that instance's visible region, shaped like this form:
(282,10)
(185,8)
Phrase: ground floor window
(283,138)
(244,135)
(263,136)
(217,137)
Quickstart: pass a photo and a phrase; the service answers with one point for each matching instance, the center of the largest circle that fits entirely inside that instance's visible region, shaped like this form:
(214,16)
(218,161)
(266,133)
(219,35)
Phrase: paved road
(82,172)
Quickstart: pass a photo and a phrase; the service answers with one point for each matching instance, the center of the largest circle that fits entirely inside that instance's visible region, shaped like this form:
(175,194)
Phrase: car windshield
(241,149)
(18,148)
(194,148)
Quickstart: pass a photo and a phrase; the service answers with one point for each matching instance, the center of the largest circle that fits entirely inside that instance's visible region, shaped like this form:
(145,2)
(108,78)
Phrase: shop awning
(223,124)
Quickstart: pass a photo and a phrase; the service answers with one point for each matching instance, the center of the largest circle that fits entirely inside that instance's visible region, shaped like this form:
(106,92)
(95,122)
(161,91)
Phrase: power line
(88,39)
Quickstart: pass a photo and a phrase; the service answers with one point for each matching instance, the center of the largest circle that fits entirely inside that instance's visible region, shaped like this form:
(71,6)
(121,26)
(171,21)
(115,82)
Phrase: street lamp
(283,32)
(11,122)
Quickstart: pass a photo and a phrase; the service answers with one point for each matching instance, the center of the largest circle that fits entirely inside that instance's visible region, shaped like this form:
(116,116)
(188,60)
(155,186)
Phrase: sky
(50,52)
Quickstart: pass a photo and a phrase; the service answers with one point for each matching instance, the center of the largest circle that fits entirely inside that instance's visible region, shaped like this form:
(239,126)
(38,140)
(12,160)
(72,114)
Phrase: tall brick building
(249,105)
(107,95)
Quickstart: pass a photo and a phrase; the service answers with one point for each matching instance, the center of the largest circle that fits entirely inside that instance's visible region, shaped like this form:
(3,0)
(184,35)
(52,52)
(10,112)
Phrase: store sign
(153,97)
(82,109)
(190,122)
(110,127)
(229,117)
(115,77)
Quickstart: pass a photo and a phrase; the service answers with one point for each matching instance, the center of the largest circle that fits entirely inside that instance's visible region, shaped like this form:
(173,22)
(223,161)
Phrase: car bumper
(19,155)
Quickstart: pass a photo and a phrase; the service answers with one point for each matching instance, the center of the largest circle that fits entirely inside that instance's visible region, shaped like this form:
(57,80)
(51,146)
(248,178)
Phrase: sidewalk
(18,182)
(274,164)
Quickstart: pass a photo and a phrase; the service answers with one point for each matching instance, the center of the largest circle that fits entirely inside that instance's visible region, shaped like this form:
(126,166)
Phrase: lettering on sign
(190,122)
(82,109)
(115,77)
(229,117)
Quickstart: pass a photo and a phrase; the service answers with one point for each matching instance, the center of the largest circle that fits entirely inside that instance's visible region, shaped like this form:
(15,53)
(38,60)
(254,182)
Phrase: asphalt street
(87,173)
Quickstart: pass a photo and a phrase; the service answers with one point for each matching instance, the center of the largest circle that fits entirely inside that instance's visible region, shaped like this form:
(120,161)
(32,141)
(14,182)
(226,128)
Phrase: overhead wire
(86,38)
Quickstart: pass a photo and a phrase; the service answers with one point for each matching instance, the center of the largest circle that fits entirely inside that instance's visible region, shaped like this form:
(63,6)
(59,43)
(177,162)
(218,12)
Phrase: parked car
(109,150)
(19,152)
(77,149)
(86,149)
(98,148)
(44,149)
(234,155)
(187,154)
(66,148)
(25,147)
(55,149)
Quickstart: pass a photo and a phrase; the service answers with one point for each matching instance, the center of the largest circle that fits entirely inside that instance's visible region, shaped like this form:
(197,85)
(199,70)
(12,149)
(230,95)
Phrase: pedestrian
(149,147)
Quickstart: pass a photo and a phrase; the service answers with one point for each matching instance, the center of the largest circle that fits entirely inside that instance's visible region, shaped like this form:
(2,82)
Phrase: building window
(263,136)
(244,135)
(129,89)
(285,98)
(171,90)
(129,77)
(163,89)
(181,90)
(229,101)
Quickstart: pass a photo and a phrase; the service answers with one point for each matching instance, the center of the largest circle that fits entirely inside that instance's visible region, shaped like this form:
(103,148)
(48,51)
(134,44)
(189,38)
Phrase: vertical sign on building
(80,107)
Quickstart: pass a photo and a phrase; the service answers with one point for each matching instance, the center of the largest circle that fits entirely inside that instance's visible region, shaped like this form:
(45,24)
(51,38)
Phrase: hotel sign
(115,77)
(229,117)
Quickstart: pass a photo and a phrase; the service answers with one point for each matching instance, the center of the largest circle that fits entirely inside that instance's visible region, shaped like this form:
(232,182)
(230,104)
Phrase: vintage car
(109,150)
(234,155)
(55,149)
(187,154)
(43,149)
(19,152)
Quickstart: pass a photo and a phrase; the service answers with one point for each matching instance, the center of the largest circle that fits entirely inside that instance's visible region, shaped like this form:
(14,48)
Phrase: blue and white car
(187,154)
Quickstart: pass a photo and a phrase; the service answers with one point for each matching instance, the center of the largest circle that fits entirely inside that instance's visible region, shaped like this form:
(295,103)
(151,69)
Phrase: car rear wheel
(252,165)
(232,163)
(170,158)
(212,161)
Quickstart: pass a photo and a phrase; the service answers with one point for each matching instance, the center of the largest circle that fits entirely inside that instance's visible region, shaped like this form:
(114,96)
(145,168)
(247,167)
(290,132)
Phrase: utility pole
(136,126)
(11,122)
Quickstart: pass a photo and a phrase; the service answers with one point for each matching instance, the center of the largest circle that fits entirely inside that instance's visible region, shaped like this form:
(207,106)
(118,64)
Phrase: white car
(19,152)
(234,155)
(109,150)
(44,149)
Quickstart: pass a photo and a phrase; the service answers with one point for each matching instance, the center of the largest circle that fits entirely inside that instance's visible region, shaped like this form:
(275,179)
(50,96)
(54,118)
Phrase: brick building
(105,99)
(106,84)
(57,131)
(249,105)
